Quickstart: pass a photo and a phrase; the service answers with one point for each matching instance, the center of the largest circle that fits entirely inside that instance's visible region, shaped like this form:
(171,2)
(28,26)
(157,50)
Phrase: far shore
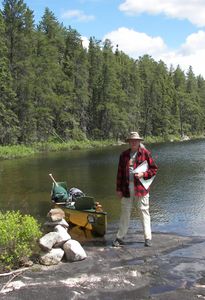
(19,151)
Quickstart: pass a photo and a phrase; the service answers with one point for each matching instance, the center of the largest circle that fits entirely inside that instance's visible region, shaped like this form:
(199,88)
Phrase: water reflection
(177,196)
(180,188)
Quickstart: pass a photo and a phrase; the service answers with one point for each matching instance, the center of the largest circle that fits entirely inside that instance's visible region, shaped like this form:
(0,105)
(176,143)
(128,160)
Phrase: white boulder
(63,235)
(54,238)
(58,222)
(56,214)
(53,257)
(74,251)
(47,241)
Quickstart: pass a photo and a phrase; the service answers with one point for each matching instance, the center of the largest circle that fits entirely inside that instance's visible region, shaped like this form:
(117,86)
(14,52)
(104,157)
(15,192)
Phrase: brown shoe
(148,243)
(118,243)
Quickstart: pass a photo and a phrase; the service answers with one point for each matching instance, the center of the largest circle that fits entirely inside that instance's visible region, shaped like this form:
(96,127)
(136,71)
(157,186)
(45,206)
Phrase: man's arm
(119,181)
(152,170)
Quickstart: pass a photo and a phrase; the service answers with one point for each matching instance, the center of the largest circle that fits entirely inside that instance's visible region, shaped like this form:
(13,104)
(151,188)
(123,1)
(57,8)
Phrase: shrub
(18,236)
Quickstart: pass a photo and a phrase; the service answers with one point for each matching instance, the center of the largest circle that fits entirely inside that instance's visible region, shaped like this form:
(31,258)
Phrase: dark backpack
(75,193)
(59,193)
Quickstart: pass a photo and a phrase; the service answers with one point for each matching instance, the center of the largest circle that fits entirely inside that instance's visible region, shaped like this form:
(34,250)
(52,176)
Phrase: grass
(17,151)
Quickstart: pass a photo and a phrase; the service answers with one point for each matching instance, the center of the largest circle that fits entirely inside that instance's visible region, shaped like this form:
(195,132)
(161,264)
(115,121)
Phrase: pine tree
(19,30)
(51,86)
(146,67)
(9,125)
(76,71)
(162,97)
(201,93)
(109,110)
(95,63)
(181,98)
(129,94)
(194,113)
(49,77)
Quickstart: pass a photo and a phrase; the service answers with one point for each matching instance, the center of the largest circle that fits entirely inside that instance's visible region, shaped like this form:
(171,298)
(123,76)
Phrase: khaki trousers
(142,204)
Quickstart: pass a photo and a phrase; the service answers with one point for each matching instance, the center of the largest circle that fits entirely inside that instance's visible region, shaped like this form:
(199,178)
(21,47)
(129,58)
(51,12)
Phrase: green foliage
(165,138)
(77,134)
(15,151)
(18,237)
(11,152)
(51,85)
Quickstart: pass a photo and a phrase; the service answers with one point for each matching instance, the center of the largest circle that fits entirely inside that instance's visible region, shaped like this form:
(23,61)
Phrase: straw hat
(134,135)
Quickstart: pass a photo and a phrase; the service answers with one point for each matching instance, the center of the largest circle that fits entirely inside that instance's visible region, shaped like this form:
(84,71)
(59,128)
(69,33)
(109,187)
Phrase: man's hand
(119,194)
(139,175)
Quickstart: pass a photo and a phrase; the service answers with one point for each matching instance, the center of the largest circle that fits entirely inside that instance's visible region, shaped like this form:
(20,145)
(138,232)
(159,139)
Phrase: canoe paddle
(53,179)
(58,193)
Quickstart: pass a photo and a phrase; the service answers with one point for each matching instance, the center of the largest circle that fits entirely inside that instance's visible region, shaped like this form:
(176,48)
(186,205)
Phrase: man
(130,189)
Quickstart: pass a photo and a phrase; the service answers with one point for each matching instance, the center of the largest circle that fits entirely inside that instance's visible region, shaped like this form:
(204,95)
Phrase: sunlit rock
(74,251)
(63,235)
(50,224)
(53,257)
(56,214)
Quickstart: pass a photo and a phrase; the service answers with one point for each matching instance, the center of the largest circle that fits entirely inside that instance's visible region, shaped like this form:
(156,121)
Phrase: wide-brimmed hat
(134,135)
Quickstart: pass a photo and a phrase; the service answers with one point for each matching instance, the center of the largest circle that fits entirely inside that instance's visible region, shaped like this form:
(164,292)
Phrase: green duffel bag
(59,193)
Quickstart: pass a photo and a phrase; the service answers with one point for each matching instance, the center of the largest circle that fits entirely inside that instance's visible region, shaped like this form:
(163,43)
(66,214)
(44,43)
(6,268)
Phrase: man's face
(134,144)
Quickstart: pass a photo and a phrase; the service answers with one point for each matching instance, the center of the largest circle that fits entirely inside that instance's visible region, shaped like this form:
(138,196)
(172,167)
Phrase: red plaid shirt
(123,172)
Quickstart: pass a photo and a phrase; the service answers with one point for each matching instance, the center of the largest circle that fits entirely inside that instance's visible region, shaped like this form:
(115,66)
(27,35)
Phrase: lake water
(177,198)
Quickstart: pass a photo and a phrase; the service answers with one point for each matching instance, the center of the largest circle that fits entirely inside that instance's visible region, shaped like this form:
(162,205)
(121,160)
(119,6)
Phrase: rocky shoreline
(173,268)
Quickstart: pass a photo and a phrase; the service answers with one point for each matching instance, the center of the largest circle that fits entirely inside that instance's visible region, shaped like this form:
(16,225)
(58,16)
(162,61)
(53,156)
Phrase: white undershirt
(131,165)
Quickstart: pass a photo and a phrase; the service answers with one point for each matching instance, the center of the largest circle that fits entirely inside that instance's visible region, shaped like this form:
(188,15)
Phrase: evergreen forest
(51,86)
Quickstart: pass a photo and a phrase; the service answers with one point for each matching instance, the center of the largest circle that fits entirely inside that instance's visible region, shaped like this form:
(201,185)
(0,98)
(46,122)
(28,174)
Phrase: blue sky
(170,30)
